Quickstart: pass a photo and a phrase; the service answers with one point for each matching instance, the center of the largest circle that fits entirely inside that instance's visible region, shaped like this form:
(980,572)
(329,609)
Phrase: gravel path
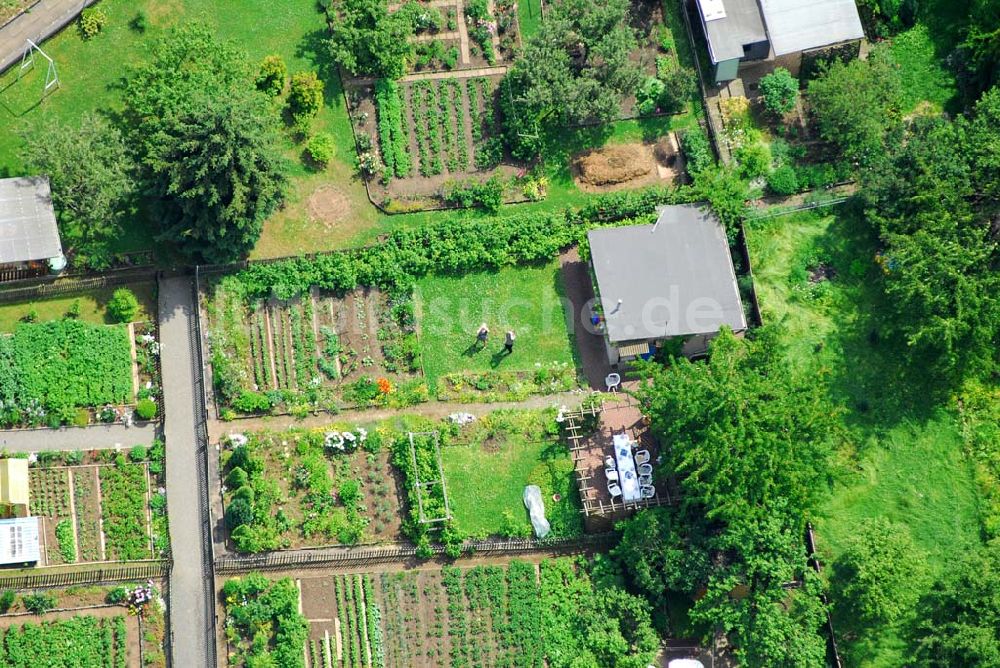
(97,437)
(44,20)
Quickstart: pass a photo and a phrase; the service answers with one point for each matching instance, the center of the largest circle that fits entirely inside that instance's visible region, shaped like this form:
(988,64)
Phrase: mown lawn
(91,69)
(93,307)
(902,453)
(486,474)
(525,299)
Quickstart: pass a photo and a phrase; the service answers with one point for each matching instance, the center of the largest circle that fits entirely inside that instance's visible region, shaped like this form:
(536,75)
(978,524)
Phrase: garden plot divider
(55,286)
(204,463)
(400,553)
(126,571)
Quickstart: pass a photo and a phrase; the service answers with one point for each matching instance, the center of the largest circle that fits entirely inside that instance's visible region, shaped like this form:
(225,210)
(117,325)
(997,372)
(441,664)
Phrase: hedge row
(455,246)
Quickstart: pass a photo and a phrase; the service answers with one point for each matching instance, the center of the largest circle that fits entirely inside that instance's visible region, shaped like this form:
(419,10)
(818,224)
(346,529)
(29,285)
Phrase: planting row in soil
(92,513)
(310,349)
(428,133)
(483,616)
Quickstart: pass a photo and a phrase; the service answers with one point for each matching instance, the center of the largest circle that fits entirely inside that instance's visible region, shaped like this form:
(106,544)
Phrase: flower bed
(494,386)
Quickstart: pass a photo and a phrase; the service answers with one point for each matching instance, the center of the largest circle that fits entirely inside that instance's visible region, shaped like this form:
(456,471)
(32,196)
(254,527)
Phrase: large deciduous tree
(92,177)
(576,69)
(880,574)
(857,105)
(748,444)
(960,623)
(940,250)
(206,139)
(367,39)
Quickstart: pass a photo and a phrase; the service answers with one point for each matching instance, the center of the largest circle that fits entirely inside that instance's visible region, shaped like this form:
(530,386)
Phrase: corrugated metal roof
(19,540)
(28,229)
(676,279)
(14,481)
(739,25)
(800,25)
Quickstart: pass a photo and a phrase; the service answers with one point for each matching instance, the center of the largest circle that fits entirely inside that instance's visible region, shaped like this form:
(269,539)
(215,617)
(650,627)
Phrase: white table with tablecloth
(628,478)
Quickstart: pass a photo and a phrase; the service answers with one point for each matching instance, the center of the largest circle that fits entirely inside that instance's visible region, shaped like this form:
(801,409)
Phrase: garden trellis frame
(28,62)
(419,485)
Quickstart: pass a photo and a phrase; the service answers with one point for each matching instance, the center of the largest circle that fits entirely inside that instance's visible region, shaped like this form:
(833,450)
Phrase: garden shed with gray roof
(28,229)
(674,278)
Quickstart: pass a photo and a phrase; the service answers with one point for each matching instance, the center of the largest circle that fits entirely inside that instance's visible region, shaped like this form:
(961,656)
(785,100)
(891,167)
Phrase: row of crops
(436,115)
(78,502)
(78,641)
(85,366)
(519,615)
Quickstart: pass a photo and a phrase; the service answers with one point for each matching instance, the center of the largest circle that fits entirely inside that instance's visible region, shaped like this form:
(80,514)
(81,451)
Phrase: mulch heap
(613,164)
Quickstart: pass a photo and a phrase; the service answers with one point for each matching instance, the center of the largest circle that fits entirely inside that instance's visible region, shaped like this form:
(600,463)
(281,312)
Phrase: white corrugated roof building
(19,541)
(28,229)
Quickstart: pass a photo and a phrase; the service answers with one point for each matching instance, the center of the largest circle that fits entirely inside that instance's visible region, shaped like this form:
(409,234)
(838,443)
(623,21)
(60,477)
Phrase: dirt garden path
(95,437)
(431,409)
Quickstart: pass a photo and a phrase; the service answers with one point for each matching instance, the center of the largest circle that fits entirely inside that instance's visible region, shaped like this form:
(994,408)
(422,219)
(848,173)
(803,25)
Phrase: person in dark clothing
(508,342)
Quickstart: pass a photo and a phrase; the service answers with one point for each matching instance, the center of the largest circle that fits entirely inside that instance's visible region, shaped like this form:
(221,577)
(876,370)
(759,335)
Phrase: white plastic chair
(612,381)
(645,480)
(609,462)
(645,469)
(611,474)
(642,457)
(647,491)
(614,490)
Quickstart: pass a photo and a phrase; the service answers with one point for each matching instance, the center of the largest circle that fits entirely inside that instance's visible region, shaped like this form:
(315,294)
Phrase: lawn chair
(614,490)
(611,474)
(612,381)
(645,469)
(609,462)
(647,491)
(642,457)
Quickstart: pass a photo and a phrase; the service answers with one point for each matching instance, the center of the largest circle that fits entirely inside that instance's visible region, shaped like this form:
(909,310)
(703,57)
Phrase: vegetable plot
(85,366)
(79,641)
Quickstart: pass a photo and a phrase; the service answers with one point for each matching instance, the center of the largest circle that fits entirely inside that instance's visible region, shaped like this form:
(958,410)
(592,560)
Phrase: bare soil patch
(327,205)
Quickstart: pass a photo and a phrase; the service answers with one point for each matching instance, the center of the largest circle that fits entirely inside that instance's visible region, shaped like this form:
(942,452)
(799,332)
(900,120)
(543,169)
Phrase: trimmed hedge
(455,246)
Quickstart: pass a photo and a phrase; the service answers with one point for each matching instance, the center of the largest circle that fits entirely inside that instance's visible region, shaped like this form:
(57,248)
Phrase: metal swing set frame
(28,62)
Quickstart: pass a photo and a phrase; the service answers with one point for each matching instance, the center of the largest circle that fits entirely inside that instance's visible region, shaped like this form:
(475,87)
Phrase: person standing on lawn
(508,342)
(483,334)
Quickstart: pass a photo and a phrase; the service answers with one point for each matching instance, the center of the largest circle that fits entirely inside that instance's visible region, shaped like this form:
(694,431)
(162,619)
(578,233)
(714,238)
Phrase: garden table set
(629,473)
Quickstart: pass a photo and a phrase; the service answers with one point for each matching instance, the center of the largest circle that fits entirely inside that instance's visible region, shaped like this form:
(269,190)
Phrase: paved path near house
(44,20)
(192,591)
(97,437)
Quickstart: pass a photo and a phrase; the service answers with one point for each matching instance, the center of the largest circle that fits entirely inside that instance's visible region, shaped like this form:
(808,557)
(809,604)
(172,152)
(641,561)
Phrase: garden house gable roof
(800,25)
(729,25)
(28,229)
(673,278)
